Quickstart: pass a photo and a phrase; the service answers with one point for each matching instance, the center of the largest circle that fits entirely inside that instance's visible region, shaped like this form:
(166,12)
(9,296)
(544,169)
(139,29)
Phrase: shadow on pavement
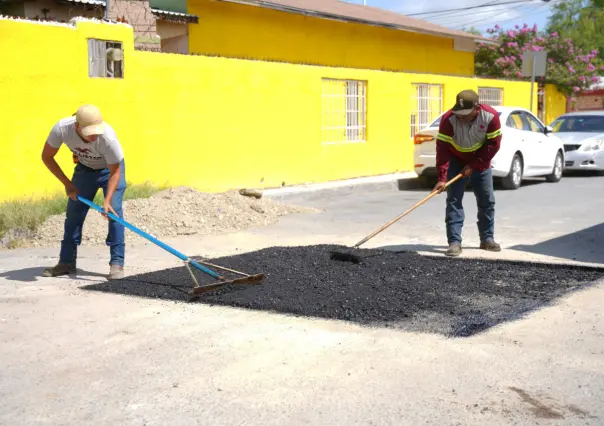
(428,294)
(414,248)
(35,274)
(586,245)
(420,185)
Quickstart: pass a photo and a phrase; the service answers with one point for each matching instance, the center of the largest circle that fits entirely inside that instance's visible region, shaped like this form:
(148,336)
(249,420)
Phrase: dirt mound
(174,212)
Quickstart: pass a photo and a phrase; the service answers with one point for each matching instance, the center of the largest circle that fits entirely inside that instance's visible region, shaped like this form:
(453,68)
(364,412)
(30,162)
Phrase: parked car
(583,136)
(528,149)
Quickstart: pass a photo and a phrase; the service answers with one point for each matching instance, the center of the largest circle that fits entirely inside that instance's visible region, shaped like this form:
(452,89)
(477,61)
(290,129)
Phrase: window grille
(344,110)
(426,105)
(105,59)
(490,96)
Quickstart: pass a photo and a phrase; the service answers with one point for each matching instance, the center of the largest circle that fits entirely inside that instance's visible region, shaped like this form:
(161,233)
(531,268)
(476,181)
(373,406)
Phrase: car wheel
(514,177)
(427,182)
(556,173)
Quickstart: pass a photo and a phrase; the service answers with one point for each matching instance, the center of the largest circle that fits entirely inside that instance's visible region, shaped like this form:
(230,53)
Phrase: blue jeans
(482,182)
(88,181)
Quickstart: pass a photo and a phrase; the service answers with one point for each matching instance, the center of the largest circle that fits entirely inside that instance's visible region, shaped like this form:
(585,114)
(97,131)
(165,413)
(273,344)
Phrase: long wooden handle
(419,203)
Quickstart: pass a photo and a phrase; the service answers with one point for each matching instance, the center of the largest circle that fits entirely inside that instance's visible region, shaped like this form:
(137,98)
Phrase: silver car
(583,136)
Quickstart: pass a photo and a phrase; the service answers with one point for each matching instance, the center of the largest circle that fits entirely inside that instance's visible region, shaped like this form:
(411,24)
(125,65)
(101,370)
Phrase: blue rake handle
(150,238)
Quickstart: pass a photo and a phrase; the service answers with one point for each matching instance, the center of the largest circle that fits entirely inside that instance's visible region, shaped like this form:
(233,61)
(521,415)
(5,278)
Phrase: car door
(545,151)
(523,138)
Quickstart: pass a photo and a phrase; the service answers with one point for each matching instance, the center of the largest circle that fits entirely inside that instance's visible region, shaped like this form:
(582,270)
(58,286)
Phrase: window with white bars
(105,59)
(492,96)
(344,110)
(426,105)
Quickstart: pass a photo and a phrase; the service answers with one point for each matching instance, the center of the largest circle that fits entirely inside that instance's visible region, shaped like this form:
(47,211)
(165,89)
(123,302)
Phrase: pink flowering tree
(569,69)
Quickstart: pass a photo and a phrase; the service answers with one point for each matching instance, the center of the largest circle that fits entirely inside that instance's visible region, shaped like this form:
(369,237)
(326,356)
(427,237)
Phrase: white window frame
(99,66)
(421,114)
(353,103)
(492,96)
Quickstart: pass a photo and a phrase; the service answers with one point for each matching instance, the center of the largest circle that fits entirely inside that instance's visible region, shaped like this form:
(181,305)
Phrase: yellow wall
(243,31)
(555,103)
(210,123)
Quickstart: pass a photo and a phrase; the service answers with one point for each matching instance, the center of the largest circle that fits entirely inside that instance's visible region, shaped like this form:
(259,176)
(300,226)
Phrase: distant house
(340,34)
(158,25)
(329,32)
(589,100)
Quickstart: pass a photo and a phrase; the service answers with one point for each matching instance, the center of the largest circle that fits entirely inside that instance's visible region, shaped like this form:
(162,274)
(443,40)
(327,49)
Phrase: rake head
(252,279)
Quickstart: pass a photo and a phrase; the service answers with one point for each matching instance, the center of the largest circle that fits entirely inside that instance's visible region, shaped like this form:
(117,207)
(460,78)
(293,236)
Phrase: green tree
(474,30)
(582,21)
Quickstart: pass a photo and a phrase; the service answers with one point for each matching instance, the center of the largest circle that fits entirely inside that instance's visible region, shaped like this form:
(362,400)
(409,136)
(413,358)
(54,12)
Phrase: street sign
(533,65)
(536,61)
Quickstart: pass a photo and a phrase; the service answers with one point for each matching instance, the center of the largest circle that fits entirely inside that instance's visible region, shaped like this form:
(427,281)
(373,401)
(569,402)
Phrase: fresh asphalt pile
(454,297)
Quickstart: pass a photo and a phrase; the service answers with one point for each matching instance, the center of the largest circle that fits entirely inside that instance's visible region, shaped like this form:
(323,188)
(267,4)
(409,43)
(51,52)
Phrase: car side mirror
(548,129)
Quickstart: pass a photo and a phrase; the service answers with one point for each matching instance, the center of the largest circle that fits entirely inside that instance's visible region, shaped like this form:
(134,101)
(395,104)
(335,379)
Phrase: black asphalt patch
(454,297)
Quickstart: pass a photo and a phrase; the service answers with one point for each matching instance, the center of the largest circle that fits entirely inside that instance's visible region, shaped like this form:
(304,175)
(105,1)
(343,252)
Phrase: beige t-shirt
(96,155)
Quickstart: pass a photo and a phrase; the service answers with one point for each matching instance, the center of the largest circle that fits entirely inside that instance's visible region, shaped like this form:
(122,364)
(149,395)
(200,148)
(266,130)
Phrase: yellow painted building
(218,123)
(239,30)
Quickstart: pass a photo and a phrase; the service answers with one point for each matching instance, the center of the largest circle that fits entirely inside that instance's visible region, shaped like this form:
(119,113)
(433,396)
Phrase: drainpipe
(107,4)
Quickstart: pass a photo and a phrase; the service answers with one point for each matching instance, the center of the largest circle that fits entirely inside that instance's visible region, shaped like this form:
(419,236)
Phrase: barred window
(105,59)
(344,110)
(426,105)
(492,96)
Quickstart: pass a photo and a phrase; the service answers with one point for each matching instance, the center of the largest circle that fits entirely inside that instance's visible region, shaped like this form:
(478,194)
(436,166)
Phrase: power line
(456,11)
(471,7)
(492,11)
(526,13)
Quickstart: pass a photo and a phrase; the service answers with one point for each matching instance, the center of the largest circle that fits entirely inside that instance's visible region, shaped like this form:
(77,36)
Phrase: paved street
(72,356)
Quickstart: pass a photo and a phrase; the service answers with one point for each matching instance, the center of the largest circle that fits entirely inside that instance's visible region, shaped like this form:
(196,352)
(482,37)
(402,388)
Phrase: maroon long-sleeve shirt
(474,144)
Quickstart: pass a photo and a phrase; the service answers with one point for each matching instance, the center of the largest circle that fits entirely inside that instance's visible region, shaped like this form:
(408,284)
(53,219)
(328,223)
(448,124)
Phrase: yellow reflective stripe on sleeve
(494,134)
(445,138)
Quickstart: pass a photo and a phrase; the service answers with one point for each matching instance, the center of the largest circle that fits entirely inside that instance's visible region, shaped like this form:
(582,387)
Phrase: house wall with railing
(208,122)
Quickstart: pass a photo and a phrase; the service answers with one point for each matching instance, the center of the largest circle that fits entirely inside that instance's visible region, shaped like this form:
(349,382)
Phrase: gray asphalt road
(72,356)
(564,220)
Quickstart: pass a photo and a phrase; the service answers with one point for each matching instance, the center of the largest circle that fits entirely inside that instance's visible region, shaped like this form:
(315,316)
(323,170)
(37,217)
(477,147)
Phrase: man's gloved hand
(440,186)
(466,171)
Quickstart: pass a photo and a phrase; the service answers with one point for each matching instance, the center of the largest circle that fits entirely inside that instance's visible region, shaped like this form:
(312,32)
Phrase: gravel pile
(174,212)
(453,297)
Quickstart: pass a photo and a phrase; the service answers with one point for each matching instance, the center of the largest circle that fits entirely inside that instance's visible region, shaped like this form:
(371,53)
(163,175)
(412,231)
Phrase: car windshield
(436,122)
(579,123)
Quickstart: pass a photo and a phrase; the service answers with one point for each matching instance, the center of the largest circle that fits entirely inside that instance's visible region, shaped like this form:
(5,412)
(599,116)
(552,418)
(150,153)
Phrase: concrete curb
(341,187)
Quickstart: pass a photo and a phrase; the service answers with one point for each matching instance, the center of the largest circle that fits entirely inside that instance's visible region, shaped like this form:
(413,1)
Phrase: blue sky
(497,12)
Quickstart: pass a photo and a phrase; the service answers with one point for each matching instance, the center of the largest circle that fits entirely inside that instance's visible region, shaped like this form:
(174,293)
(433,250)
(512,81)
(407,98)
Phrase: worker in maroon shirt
(469,136)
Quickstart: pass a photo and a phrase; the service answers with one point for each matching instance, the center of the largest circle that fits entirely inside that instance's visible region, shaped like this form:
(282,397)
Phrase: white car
(528,149)
(583,136)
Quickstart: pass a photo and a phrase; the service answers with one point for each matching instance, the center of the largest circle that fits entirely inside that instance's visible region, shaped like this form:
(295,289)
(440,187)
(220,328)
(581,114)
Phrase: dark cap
(465,102)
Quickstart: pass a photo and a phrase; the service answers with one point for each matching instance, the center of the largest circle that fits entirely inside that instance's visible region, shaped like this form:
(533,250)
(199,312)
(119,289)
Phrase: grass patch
(27,214)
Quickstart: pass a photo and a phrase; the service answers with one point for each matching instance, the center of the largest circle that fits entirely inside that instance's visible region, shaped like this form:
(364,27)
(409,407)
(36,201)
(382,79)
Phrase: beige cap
(90,120)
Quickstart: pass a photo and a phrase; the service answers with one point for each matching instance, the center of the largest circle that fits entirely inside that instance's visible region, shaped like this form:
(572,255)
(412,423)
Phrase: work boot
(453,250)
(116,272)
(59,270)
(490,245)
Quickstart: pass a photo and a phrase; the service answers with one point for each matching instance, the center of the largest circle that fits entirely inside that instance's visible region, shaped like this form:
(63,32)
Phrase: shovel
(349,257)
